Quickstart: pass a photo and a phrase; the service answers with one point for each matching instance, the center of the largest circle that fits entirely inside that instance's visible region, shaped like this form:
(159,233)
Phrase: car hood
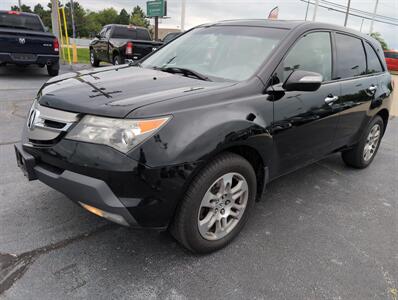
(116,91)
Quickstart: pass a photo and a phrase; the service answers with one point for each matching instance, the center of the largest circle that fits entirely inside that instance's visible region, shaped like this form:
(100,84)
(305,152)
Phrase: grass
(83,55)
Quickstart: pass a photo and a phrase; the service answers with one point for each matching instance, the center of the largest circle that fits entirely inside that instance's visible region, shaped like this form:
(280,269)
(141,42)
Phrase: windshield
(20,21)
(227,52)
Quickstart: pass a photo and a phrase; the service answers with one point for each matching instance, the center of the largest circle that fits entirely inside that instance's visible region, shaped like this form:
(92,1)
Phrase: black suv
(188,138)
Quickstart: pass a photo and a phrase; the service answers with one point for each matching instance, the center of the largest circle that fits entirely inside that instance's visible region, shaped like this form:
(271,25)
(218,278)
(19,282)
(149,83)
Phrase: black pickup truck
(24,40)
(116,43)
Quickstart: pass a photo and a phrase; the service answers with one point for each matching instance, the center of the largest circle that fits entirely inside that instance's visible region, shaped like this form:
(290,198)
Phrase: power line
(355,13)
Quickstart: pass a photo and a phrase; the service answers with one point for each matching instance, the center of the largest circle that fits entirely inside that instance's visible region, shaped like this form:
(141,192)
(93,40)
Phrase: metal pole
(183,2)
(361,25)
(20,5)
(306,12)
(156,28)
(374,16)
(73,19)
(315,10)
(54,18)
(347,13)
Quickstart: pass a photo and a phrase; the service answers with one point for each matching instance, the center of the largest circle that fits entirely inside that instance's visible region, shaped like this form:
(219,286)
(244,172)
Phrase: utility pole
(73,19)
(315,10)
(20,5)
(55,18)
(183,2)
(347,13)
(374,16)
(306,11)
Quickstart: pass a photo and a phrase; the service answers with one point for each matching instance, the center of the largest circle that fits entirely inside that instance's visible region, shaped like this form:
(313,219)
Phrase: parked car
(391,59)
(171,36)
(116,43)
(188,138)
(24,40)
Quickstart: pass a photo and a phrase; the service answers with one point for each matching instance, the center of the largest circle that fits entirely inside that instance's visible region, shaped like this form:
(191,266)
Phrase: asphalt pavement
(323,232)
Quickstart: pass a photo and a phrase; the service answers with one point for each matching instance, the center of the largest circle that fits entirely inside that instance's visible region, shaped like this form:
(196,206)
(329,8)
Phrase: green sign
(156,8)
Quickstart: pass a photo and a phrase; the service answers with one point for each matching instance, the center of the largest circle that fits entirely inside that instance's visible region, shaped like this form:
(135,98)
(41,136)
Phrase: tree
(44,14)
(24,8)
(79,15)
(377,36)
(107,16)
(124,17)
(138,17)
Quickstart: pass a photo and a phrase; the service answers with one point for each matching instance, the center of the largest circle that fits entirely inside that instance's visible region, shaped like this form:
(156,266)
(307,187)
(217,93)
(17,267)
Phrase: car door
(360,85)
(103,44)
(305,122)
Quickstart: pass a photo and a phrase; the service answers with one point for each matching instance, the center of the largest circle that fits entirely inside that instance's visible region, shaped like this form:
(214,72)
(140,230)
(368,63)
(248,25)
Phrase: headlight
(121,134)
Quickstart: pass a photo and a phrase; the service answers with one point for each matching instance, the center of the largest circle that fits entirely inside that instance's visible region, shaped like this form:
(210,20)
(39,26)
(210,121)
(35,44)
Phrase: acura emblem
(21,40)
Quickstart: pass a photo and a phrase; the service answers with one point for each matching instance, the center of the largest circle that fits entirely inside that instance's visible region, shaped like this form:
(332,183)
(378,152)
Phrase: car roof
(19,13)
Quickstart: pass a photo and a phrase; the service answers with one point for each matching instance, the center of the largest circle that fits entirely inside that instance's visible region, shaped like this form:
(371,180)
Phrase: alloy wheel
(372,142)
(223,206)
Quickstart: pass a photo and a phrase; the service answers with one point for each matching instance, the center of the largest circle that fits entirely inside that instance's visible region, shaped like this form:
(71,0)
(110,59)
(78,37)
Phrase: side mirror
(46,29)
(97,36)
(303,81)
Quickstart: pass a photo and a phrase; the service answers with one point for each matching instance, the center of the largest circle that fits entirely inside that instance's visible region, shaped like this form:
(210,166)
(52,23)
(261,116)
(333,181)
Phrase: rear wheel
(53,70)
(216,205)
(365,151)
(93,59)
(117,60)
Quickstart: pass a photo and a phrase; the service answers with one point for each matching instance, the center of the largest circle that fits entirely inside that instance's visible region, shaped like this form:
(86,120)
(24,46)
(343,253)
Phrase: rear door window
(351,59)
(313,52)
(143,34)
(374,65)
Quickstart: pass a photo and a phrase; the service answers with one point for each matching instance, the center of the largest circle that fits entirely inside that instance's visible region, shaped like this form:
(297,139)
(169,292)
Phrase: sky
(204,11)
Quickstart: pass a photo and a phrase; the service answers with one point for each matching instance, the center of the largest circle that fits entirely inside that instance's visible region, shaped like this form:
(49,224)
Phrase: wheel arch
(384,114)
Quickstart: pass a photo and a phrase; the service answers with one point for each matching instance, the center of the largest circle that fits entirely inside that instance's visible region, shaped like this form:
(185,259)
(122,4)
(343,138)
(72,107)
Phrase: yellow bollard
(74,52)
(66,35)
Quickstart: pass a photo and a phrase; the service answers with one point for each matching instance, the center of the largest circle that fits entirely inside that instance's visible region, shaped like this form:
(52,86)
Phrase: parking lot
(323,232)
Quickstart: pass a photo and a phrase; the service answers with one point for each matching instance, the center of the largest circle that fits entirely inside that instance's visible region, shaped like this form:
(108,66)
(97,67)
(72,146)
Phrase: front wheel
(365,151)
(216,205)
(93,59)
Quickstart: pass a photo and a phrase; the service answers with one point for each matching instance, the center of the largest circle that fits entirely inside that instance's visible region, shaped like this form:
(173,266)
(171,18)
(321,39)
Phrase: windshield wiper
(185,72)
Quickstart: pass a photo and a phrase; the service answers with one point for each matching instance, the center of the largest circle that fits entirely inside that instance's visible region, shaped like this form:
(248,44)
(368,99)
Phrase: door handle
(372,88)
(331,99)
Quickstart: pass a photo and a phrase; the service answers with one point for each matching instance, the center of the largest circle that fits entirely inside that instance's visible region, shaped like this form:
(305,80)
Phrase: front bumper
(29,59)
(107,180)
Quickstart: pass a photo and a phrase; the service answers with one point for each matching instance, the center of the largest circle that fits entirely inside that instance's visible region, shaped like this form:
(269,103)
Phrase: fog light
(104,214)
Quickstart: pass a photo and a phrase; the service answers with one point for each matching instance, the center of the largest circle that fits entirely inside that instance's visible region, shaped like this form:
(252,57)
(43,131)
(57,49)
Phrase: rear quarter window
(351,59)
(393,55)
(374,65)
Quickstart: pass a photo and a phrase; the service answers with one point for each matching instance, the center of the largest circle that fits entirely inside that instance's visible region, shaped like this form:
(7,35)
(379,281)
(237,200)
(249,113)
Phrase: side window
(374,65)
(351,59)
(313,52)
(108,32)
(102,32)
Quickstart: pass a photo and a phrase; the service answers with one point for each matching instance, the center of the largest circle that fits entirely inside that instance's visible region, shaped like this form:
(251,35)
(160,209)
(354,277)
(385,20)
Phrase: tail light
(56,45)
(129,48)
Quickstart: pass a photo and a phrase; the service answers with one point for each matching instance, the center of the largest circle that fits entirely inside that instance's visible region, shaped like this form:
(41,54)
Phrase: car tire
(53,70)
(93,59)
(197,207)
(117,60)
(362,155)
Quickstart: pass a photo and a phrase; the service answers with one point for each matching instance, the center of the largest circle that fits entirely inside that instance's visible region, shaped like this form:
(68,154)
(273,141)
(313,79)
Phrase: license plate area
(23,57)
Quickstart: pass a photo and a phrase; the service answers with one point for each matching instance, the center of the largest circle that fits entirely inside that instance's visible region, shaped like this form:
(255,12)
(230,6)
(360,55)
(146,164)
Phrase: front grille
(47,125)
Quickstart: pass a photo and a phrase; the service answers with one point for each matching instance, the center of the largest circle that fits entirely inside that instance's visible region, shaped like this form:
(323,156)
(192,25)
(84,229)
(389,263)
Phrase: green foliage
(124,17)
(378,36)
(138,17)
(88,23)
(24,8)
